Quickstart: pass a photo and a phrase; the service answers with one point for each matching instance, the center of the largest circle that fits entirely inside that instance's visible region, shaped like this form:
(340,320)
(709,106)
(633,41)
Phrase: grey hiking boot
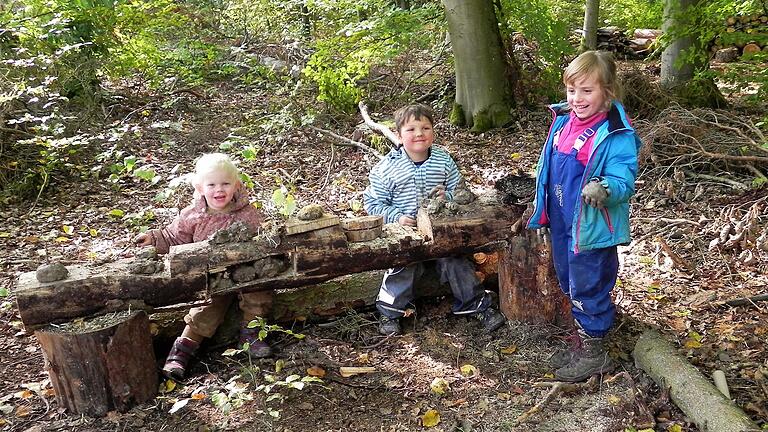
(591,359)
(491,319)
(389,326)
(562,357)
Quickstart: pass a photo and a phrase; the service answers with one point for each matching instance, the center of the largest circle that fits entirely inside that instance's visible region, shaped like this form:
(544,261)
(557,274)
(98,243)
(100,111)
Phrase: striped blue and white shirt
(398,185)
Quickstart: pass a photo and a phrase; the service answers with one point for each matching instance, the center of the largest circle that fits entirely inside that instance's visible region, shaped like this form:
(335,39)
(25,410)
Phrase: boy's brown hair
(601,64)
(413,111)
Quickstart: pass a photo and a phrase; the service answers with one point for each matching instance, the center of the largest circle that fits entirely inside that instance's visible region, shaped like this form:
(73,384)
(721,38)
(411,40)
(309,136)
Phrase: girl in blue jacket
(584,180)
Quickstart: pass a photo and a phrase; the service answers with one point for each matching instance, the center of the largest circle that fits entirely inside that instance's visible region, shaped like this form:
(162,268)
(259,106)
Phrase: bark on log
(270,261)
(688,388)
(528,287)
(97,371)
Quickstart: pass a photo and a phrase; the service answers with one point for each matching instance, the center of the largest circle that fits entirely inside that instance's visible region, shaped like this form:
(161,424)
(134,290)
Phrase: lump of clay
(146,267)
(51,272)
(243,273)
(462,194)
(270,267)
(148,253)
(237,232)
(310,212)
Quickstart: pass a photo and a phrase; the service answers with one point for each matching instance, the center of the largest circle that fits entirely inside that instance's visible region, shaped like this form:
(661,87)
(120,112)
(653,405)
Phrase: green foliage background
(62,60)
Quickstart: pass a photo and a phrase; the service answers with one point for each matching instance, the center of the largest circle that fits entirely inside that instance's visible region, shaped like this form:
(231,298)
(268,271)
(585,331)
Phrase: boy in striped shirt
(398,183)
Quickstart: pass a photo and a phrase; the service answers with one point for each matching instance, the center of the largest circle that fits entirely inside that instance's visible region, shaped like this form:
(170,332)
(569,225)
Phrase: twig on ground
(557,387)
(733,183)
(387,132)
(744,301)
(347,141)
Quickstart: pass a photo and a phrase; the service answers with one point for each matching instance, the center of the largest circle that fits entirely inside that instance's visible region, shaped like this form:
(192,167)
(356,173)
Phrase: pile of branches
(703,144)
(687,155)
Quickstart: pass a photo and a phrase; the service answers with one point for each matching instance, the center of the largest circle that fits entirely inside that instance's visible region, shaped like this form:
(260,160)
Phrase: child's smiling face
(218,187)
(586,96)
(417,135)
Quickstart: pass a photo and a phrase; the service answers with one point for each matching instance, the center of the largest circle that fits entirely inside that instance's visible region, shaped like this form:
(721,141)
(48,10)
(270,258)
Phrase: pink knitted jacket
(195,223)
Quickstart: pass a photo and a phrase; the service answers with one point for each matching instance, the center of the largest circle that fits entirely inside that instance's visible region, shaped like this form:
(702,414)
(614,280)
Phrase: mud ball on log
(310,212)
(235,233)
(51,272)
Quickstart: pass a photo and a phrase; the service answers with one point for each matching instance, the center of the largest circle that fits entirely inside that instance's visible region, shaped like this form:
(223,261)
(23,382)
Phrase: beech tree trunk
(685,56)
(97,371)
(528,287)
(483,96)
(674,71)
(591,14)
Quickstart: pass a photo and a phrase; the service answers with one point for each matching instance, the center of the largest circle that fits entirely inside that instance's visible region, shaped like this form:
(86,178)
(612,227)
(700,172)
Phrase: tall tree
(591,14)
(483,95)
(685,55)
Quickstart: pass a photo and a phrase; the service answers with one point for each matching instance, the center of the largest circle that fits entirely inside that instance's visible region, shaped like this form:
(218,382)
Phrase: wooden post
(103,364)
(528,287)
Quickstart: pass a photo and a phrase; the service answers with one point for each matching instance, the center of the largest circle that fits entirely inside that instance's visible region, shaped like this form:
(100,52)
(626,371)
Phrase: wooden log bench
(311,254)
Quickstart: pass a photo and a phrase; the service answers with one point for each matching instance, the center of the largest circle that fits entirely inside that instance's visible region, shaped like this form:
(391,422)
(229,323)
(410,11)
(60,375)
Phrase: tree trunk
(97,371)
(591,14)
(685,55)
(483,96)
(675,72)
(528,287)
(692,393)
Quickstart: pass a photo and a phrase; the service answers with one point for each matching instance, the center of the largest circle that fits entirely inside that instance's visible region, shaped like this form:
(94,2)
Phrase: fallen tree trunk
(699,399)
(194,271)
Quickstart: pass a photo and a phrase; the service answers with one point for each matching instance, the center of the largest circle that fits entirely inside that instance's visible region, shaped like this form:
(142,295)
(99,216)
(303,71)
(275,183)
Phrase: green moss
(496,115)
(457,115)
(701,93)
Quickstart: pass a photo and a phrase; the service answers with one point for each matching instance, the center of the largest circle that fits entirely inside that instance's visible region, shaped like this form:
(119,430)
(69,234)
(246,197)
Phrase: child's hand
(594,194)
(437,192)
(142,240)
(406,221)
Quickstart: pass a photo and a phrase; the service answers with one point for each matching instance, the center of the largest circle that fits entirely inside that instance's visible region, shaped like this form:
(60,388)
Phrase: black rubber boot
(591,359)
(389,326)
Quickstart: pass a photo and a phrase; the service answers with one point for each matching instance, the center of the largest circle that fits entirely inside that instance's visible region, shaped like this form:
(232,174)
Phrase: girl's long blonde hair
(599,63)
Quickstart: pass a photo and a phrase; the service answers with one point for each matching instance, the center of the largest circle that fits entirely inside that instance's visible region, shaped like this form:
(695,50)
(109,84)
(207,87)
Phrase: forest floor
(681,293)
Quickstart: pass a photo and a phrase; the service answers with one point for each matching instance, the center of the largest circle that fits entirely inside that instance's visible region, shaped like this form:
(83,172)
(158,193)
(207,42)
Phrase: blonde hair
(599,63)
(214,162)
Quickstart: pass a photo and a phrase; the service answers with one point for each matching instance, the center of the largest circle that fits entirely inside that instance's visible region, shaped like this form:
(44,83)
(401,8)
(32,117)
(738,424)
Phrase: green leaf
(116,213)
(4,292)
(129,162)
(68,229)
(146,174)
(249,153)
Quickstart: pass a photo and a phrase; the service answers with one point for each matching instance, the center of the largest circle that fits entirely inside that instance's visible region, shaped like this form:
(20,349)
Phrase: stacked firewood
(743,35)
(616,40)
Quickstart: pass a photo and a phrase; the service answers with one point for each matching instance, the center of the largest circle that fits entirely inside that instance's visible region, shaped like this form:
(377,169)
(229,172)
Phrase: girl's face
(416,137)
(218,187)
(586,97)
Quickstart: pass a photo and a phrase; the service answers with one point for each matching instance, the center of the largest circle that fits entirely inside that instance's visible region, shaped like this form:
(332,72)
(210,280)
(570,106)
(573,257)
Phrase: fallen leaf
(430,418)
(279,365)
(167,386)
(503,396)
(692,344)
(198,396)
(614,400)
(468,370)
(675,428)
(316,371)
(364,358)
(49,392)
(24,394)
(439,386)
(178,405)
(347,372)
(509,350)
(22,411)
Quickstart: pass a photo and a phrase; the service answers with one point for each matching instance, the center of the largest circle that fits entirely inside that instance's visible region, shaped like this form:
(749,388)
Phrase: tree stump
(528,287)
(103,364)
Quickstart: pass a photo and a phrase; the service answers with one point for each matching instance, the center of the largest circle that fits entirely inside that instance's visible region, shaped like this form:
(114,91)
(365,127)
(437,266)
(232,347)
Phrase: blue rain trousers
(396,291)
(587,277)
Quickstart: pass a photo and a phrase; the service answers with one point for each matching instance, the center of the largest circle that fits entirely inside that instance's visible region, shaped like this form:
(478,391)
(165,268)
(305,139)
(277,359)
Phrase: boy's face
(586,96)
(218,188)
(417,135)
